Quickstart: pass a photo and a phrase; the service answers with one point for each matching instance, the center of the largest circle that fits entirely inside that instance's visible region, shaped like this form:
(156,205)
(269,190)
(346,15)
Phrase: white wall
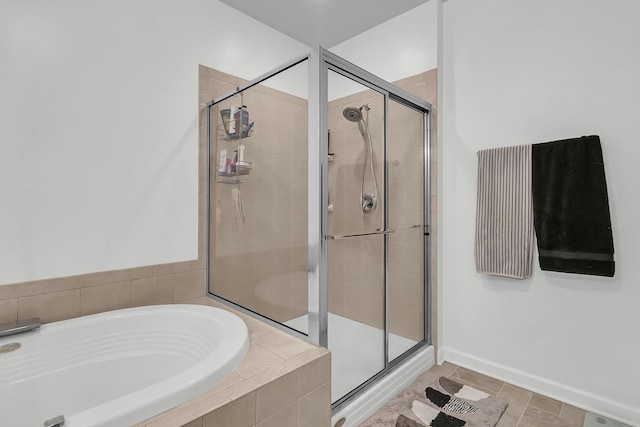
(519,72)
(99,131)
(401,47)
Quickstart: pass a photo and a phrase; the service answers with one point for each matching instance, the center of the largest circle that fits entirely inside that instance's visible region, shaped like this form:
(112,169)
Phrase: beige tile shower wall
(355,280)
(260,262)
(356,287)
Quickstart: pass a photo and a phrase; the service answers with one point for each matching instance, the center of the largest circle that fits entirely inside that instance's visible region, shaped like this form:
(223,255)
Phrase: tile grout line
(525,409)
(505,409)
(501,388)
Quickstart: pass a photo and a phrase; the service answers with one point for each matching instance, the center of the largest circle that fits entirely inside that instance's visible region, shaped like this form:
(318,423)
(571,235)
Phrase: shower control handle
(348,236)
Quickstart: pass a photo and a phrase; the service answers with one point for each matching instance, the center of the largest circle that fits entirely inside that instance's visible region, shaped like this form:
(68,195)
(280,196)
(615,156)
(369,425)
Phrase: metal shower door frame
(210,181)
(321,61)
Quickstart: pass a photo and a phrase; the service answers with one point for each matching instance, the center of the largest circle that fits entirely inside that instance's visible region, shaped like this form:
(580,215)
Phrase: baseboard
(363,406)
(544,386)
(440,356)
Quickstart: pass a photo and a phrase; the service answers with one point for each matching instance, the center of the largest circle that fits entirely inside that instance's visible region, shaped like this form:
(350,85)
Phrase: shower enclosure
(318,212)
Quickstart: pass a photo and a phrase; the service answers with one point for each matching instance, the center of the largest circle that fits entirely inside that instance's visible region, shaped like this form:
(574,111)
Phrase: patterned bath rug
(436,401)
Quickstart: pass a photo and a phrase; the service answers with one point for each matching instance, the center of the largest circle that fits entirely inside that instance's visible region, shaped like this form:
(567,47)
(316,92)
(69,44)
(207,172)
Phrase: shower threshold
(356,351)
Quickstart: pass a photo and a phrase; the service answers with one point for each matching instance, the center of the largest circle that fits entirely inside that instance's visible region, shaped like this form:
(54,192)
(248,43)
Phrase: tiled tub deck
(282,381)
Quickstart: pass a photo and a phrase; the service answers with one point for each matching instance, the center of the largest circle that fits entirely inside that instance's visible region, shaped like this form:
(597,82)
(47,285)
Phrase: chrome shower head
(352,114)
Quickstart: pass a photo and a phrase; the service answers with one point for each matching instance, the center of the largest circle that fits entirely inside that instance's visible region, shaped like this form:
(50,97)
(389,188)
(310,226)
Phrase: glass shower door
(406,269)
(376,228)
(257,234)
(356,233)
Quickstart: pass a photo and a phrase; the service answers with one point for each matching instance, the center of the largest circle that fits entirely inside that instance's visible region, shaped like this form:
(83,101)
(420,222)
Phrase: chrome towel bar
(373,233)
(348,236)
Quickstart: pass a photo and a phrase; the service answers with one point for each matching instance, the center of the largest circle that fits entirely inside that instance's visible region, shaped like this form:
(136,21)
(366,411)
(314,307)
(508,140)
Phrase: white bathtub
(120,367)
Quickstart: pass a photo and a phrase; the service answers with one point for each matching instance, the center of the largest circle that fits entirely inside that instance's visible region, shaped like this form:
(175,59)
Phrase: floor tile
(446,369)
(479,379)
(534,417)
(510,417)
(457,379)
(516,397)
(546,404)
(572,413)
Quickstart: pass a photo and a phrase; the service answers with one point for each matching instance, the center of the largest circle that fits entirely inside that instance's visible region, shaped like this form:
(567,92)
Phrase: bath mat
(436,401)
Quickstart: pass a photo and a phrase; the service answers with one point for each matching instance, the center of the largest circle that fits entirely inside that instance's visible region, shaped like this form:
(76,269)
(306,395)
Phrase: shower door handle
(348,236)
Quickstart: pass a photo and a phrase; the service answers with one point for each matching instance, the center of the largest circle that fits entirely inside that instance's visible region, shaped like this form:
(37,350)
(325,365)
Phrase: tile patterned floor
(526,408)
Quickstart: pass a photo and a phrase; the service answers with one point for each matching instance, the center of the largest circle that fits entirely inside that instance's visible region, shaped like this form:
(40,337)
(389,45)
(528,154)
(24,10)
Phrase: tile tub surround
(68,297)
(282,381)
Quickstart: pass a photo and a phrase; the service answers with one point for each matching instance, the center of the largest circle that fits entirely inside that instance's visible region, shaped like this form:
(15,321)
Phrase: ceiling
(323,22)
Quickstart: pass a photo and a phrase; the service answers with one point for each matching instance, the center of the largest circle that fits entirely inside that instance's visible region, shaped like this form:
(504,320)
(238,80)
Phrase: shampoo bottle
(241,153)
(222,161)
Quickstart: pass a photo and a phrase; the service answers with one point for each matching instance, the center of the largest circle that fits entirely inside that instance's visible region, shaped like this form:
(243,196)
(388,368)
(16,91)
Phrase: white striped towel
(504,215)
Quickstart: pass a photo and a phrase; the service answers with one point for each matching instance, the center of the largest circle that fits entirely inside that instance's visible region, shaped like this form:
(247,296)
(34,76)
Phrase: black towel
(571,207)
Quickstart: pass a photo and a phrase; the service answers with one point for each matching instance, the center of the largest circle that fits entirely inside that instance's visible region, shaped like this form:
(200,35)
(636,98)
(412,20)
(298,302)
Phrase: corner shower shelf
(243,168)
(231,181)
(224,137)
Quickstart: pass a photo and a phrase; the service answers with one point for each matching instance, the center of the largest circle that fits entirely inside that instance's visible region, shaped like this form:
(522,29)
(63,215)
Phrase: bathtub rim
(168,393)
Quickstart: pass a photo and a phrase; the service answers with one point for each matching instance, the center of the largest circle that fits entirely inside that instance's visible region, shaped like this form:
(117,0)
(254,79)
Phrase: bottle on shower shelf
(241,118)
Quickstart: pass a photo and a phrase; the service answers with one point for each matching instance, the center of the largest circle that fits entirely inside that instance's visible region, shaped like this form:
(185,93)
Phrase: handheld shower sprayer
(368,201)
